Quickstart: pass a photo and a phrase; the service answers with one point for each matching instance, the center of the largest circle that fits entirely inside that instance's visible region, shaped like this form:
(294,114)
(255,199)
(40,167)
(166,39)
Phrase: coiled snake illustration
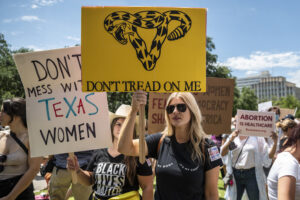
(123,25)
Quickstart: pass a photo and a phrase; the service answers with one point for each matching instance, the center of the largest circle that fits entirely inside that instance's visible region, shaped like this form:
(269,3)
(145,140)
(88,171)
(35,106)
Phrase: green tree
(11,85)
(236,97)
(289,102)
(212,68)
(247,100)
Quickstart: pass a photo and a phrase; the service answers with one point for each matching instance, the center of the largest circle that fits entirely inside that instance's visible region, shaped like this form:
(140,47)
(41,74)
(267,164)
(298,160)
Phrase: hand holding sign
(139,100)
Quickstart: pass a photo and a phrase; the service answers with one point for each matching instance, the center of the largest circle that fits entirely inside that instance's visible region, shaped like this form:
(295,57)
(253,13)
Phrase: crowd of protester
(187,162)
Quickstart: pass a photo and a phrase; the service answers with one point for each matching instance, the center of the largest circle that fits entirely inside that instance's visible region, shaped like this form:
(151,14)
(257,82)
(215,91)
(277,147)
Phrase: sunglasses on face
(180,107)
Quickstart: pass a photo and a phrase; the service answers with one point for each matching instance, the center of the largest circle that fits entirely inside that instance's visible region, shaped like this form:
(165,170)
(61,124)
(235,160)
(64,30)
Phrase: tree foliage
(247,100)
(290,102)
(10,81)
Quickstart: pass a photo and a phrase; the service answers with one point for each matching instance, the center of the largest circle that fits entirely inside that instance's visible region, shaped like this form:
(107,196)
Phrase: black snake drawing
(123,25)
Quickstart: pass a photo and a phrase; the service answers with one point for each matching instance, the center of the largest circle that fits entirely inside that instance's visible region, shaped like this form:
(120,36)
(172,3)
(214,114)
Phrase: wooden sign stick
(142,134)
(73,173)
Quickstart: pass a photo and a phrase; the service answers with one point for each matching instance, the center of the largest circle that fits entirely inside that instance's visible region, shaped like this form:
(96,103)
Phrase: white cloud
(251,72)
(45,2)
(73,38)
(263,60)
(34,6)
(35,48)
(7,20)
(30,18)
(294,77)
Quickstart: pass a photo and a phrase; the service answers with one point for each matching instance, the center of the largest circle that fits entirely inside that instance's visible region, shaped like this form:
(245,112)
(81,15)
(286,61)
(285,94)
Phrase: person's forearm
(125,145)
(225,147)
(147,193)
(84,177)
(214,196)
(273,150)
(24,182)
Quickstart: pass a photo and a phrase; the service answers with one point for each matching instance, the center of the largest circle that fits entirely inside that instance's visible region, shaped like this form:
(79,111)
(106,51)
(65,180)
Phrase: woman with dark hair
(111,173)
(187,162)
(284,177)
(17,168)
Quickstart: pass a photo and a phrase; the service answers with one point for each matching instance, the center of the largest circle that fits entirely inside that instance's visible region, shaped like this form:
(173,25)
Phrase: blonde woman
(187,163)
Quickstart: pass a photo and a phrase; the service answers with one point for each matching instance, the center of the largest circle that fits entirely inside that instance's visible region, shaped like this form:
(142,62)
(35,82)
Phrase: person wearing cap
(188,162)
(111,173)
(289,116)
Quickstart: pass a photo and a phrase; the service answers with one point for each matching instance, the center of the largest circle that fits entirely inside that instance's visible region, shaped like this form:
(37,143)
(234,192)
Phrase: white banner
(264,106)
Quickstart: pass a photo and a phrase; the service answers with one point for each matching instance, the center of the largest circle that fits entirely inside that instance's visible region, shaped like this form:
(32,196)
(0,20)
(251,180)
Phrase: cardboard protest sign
(60,117)
(285,111)
(215,105)
(264,106)
(254,123)
(153,49)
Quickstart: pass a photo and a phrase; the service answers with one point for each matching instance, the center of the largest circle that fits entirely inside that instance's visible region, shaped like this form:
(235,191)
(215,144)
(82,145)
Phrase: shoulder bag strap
(20,143)
(241,151)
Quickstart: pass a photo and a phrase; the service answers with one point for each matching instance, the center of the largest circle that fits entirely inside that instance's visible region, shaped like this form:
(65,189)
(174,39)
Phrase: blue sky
(250,35)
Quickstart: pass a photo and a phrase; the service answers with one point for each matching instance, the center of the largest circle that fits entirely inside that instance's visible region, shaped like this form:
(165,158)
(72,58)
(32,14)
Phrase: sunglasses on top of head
(180,108)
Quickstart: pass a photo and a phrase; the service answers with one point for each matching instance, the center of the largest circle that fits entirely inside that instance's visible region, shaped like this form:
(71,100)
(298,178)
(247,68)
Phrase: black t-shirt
(177,175)
(110,174)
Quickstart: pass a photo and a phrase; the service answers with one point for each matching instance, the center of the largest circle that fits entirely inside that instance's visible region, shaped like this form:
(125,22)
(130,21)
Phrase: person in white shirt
(245,158)
(284,177)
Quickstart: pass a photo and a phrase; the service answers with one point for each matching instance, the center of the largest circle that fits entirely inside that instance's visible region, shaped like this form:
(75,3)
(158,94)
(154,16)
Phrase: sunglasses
(180,107)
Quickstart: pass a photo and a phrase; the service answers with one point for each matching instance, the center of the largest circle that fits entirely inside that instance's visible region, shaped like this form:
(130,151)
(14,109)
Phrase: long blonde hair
(196,133)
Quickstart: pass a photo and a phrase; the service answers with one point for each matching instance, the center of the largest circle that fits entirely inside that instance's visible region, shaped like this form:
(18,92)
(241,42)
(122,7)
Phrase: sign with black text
(215,105)
(155,49)
(60,117)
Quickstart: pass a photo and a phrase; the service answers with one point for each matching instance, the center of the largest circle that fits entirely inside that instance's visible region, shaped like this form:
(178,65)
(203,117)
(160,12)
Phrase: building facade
(266,86)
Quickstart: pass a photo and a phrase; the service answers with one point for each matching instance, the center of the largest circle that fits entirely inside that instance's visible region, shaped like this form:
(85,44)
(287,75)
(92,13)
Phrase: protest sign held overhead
(264,106)
(254,123)
(154,49)
(215,106)
(60,117)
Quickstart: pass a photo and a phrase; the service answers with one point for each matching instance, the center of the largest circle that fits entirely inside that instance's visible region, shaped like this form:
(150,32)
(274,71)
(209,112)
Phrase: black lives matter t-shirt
(177,175)
(110,174)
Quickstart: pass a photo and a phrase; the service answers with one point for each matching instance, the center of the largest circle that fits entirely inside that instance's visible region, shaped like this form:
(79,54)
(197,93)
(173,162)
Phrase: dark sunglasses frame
(181,107)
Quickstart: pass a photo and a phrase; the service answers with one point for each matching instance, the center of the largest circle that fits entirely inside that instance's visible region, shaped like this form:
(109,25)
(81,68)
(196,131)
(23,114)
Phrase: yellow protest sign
(148,48)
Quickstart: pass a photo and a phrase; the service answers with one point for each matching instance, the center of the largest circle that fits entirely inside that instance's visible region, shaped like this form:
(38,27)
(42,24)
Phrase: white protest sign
(60,117)
(254,123)
(264,106)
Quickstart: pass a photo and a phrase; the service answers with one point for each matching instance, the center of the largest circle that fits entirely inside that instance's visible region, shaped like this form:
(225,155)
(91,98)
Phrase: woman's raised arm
(126,144)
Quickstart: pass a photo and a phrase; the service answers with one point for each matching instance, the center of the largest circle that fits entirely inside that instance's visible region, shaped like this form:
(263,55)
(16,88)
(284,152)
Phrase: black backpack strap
(20,143)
